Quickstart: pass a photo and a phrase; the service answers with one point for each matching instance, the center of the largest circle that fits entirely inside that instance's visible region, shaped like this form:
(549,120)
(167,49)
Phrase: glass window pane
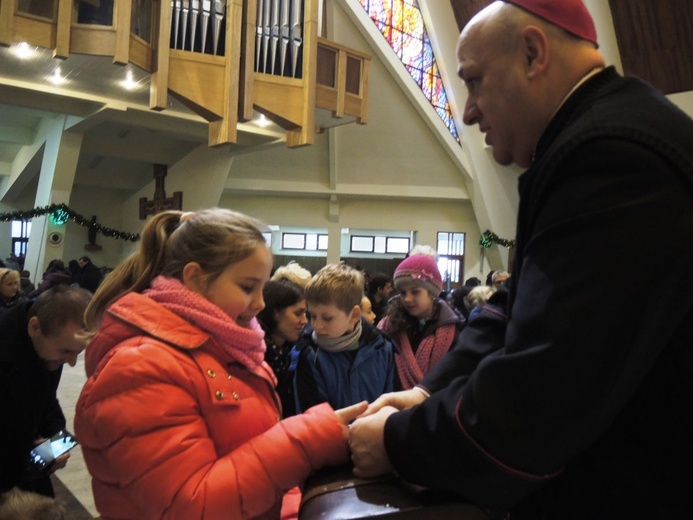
(311,241)
(97,12)
(362,244)
(380,245)
(141,19)
(16,228)
(293,241)
(43,8)
(397,245)
(322,242)
(449,269)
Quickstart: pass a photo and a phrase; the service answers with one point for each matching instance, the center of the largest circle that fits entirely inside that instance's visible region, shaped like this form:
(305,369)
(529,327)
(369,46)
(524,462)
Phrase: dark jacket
(6,304)
(90,277)
(342,378)
(50,279)
(573,406)
(30,408)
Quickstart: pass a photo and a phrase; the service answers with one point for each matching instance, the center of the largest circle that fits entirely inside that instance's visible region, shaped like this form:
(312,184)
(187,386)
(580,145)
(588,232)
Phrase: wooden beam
(62,30)
(247,65)
(341,83)
(306,133)
(158,90)
(224,131)
(122,20)
(6,21)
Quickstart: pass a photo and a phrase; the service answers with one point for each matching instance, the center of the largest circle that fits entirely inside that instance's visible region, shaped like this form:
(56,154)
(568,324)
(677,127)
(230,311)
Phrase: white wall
(426,218)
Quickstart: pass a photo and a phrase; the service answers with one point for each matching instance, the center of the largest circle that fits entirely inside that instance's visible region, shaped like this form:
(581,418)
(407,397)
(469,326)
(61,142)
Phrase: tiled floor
(74,477)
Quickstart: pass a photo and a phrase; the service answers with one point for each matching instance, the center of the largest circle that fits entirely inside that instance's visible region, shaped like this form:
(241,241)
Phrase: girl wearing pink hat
(423,326)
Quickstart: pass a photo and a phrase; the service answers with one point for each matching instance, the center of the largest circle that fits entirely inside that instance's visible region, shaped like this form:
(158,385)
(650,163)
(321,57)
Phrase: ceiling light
(129,82)
(23,50)
(262,121)
(57,77)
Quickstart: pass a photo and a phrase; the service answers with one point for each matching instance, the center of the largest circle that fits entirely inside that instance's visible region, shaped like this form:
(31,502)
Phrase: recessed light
(262,121)
(23,50)
(57,77)
(129,82)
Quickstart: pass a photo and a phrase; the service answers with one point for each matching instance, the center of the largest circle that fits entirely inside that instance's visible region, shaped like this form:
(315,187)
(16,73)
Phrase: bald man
(567,398)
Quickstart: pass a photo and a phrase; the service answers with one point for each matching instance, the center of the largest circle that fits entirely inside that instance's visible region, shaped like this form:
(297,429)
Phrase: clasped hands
(366,432)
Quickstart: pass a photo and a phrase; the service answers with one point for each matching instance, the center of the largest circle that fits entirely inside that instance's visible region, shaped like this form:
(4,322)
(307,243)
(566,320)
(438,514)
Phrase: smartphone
(42,456)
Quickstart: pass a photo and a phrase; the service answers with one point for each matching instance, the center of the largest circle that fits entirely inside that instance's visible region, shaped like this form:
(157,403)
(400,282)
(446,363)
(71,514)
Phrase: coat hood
(134,315)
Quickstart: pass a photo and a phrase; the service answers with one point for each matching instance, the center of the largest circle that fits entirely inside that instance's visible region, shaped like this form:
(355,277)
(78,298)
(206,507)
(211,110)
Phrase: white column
(56,179)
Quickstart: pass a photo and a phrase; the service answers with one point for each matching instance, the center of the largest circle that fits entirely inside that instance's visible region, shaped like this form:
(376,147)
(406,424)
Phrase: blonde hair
(6,272)
(479,295)
(214,238)
(292,272)
(336,284)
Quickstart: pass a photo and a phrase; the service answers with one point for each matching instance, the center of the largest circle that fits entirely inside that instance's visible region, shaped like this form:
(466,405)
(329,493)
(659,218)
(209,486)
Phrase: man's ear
(536,50)
(193,277)
(34,326)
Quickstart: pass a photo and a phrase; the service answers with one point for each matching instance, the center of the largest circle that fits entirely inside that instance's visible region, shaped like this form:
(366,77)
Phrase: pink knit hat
(569,15)
(421,270)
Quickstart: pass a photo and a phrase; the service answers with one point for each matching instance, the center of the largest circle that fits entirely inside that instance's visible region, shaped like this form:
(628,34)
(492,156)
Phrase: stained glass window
(401,24)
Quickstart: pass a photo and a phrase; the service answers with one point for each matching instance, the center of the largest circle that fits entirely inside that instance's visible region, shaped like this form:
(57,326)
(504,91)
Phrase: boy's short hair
(336,284)
(58,306)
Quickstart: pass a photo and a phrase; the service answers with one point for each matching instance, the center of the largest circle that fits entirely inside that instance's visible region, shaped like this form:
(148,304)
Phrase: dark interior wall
(655,39)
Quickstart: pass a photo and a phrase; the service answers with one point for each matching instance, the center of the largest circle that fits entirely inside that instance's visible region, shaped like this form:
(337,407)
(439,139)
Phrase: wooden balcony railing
(222,58)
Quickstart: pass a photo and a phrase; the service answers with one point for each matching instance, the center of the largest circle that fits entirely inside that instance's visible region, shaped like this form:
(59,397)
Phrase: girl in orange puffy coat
(179,417)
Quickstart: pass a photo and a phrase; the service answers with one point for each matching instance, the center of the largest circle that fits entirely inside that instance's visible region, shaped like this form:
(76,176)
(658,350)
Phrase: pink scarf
(412,367)
(245,346)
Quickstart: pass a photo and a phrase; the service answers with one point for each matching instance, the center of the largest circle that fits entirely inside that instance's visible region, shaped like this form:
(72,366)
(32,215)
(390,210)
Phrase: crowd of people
(217,386)
(16,286)
(302,352)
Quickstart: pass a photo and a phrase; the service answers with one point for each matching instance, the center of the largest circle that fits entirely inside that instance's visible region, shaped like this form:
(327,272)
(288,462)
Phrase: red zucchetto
(569,15)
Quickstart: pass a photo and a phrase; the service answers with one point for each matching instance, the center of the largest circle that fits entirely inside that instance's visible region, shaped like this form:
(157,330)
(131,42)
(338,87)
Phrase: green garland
(488,238)
(60,214)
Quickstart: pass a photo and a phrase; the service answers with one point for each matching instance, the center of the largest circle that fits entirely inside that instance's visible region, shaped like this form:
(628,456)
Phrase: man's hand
(348,414)
(59,463)
(368,446)
(399,400)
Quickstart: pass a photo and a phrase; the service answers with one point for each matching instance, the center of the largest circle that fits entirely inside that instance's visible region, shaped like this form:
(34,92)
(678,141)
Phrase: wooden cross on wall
(160,202)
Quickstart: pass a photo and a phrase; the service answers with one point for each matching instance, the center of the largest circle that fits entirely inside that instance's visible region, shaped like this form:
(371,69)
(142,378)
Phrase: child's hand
(401,400)
(349,413)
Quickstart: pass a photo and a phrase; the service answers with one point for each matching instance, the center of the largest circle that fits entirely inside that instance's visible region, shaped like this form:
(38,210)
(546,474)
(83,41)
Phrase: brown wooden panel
(353,76)
(327,66)
(655,39)
(465,9)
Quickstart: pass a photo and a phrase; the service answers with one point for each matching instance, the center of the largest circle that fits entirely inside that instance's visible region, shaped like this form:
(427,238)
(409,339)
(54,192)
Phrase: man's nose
(470,116)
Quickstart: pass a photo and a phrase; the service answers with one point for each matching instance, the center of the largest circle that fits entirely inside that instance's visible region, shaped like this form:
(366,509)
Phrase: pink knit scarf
(412,367)
(244,345)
